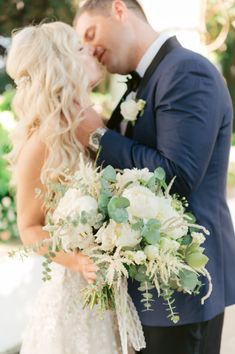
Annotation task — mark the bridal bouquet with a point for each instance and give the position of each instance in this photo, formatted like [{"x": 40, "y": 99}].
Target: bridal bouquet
[{"x": 133, "y": 228}]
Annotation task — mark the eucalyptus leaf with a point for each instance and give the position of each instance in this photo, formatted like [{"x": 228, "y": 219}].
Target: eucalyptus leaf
[
  {"x": 117, "y": 209},
  {"x": 151, "y": 231},
  {"x": 141, "y": 277},
  {"x": 160, "y": 174},
  {"x": 188, "y": 280},
  {"x": 103, "y": 201},
  {"x": 132, "y": 271},
  {"x": 138, "y": 225},
  {"x": 109, "y": 174},
  {"x": 152, "y": 184},
  {"x": 104, "y": 185}
]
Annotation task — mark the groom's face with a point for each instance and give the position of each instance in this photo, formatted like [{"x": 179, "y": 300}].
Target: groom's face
[{"x": 111, "y": 39}]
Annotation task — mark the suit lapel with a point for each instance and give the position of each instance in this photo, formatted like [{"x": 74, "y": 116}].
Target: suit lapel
[
  {"x": 115, "y": 119},
  {"x": 166, "y": 48},
  {"x": 170, "y": 44}
]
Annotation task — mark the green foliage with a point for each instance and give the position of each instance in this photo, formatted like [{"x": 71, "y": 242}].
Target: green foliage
[
  {"x": 188, "y": 279},
  {"x": 233, "y": 139},
  {"x": 151, "y": 231},
  {"x": 17, "y": 14},
  {"x": 117, "y": 209},
  {"x": 226, "y": 56},
  {"x": 109, "y": 174},
  {"x": 4, "y": 174},
  {"x": 6, "y": 100},
  {"x": 196, "y": 260},
  {"x": 5, "y": 80},
  {"x": 8, "y": 229}
]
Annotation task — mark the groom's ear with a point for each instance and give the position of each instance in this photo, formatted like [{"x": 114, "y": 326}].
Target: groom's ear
[{"x": 119, "y": 10}]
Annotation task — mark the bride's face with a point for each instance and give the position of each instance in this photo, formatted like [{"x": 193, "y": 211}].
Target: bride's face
[{"x": 91, "y": 65}]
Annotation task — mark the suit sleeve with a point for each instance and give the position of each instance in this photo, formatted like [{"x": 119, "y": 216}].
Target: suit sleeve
[{"x": 186, "y": 111}]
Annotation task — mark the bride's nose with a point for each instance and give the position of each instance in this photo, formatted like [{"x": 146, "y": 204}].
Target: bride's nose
[{"x": 88, "y": 49}]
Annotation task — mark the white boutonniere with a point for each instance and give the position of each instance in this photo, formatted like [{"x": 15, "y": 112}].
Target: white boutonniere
[{"x": 132, "y": 108}]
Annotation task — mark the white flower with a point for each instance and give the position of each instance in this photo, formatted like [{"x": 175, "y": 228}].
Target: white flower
[
  {"x": 133, "y": 176},
  {"x": 117, "y": 235},
  {"x": 11, "y": 215},
  {"x": 168, "y": 245},
  {"x": 151, "y": 252},
  {"x": 143, "y": 202},
  {"x": 73, "y": 203},
  {"x": 166, "y": 212},
  {"x": 126, "y": 237},
  {"x": 6, "y": 202},
  {"x": 139, "y": 257},
  {"x": 198, "y": 237},
  {"x": 80, "y": 237},
  {"x": 106, "y": 236},
  {"x": 131, "y": 108}
]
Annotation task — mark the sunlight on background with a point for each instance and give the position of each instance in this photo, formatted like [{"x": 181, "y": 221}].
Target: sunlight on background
[
  {"x": 7, "y": 120},
  {"x": 182, "y": 17}
]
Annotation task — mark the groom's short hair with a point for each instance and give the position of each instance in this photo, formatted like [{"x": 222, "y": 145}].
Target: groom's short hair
[{"x": 103, "y": 6}]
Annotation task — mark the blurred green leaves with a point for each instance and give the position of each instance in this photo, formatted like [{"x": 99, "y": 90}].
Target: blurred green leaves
[{"x": 20, "y": 13}]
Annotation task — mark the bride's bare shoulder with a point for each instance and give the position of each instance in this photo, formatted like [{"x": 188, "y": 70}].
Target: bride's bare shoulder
[{"x": 32, "y": 155}]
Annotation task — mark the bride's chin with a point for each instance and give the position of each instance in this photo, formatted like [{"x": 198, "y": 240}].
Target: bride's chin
[{"x": 96, "y": 80}]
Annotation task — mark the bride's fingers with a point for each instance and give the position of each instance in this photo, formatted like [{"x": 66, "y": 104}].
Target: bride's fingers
[
  {"x": 91, "y": 277},
  {"x": 91, "y": 267}
]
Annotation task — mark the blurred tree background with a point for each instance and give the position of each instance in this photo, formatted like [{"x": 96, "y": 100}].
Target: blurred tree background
[
  {"x": 218, "y": 32},
  {"x": 19, "y": 13},
  {"x": 220, "y": 37}
]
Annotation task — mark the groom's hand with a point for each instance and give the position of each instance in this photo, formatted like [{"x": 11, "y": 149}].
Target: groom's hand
[{"x": 89, "y": 123}]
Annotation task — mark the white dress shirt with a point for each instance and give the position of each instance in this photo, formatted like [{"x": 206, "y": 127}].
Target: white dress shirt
[{"x": 151, "y": 52}]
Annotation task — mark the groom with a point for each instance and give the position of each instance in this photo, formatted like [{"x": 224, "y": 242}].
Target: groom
[{"x": 185, "y": 128}]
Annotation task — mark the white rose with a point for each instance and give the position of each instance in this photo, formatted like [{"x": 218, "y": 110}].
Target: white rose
[
  {"x": 77, "y": 237},
  {"x": 134, "y": 175},
  {"x": 126, "y": 237},
  {"x": 178, "y": 232},
  {"x": 167, "y": 212},
  {"x": 139, "y": 257},
  {"x": 129, "y": 110},
  {"x": 106, "y": 236},
  {"x": 73, "y": 203},
  {"x": 151, "y": 252},
  {"x": 143, "y": 202},
  {"x": 114, "y": 234}
]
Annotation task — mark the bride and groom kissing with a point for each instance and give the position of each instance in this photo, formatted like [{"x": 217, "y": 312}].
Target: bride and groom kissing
[{"x": 185, "y": 127}]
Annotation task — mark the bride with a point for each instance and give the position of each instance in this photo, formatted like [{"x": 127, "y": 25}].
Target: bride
[{"x": 54, "y": 75}]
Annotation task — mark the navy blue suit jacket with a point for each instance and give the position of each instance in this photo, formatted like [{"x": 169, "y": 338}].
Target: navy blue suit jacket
[{"x": 186, "y": 129}]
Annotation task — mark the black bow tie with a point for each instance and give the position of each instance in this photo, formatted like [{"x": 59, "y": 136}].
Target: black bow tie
[{"x": 133, "y": 82}]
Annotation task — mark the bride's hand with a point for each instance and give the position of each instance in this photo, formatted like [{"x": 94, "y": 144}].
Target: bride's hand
[
  {"x": 90, "y": 122},
  {"x": 84, "y": 265}
]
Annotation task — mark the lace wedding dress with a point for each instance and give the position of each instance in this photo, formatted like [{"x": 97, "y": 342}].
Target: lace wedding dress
[{"x": 59, "y": 325}]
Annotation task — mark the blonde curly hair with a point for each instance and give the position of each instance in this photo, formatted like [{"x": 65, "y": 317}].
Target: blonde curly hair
[{"x": 44, "y": 62}]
